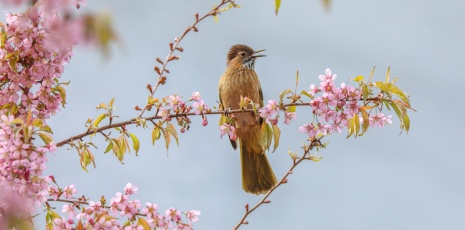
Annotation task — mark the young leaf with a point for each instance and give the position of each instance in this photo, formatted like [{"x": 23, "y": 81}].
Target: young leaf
[
  {"x": 61, "y": 90},
  {"x": 284, "y": 93},
  {"x": 359, "y": 78},
  {"x": 291, "y": 109},
  {"x": 277, "y": 4},
  {"x": 296, "y": 80},
  {"x": 109, "y": 147},
  {"x": 167, "y": 137},
  {"x": 267, "y": 133},
  {"x": 388, "y": 73},
  {"x": 366, "y": 121},
  {"x": 142, "y": 222},
  {"x": 172, "y": 130},
  {"x": 276, "y": 135},
  {"x": 99, "y": 119},
  {"x": 307, "y": 94},
  {"x": 111, "y": 102},
  {"x": 156, "y": 134},
  {"x": 46, "y": 138},
  {"x": 37, "y": 123},
  {"x": 357, "y": 124},
  {"x": 406, "y": 121},
  {"x": 46, "y": 128},
  {"x": 135, "y": 142}
]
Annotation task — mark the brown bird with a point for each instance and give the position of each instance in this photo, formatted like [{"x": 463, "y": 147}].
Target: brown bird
[{"x": 240, "y": 79}]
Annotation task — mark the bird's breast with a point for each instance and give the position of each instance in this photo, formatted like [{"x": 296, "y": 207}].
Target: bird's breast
[{"x": 239, "y": 83}]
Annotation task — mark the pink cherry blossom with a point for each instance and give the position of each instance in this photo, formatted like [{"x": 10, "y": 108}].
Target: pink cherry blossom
[
  {"x": 69, "y": 191},
  {"x": 269, "y": 110},
  {"x": 228, "y": 129},
  {"x": 193, "y": 215},
  {"x": 130, "y": 189},
  {"x": 289, "y": 116},
  {"x": 379, "y": 120},
  {"x": 196, "y": 96},
  {"x": 172, "y": 214},
  {"x": 199, "y": 107}
]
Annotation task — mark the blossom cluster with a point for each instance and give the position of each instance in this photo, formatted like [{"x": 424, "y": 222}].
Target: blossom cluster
[
  {"x": 97, "y": 216},
  {"x": 335, "y": 107},
  {"x": 34, "y": 48},
  {"x": 173, "y": 104}
]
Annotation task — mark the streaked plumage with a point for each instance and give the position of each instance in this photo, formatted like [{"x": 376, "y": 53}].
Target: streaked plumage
[{"x": 240, "y": 79}]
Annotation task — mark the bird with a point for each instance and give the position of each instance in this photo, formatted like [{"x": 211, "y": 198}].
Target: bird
[{"x": 241, "y": 80}]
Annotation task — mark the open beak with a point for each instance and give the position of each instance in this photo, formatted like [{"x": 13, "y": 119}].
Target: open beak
[{"x": 256, "y": 55}]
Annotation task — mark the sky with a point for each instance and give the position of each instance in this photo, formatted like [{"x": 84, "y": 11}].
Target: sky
[{"x": 381, "y": 180}]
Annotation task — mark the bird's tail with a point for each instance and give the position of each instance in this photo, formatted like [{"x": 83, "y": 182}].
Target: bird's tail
[{"x": 257, "y": 174}]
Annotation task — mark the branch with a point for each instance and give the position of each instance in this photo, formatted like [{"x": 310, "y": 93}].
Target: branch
[
  {"x": 175, "y": 46},
  {"x": 151, "y": 118},
  {"x": 297, "y": 161}
]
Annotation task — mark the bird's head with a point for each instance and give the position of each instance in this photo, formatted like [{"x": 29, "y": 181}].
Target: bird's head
[{"x": 242, "y": 56}]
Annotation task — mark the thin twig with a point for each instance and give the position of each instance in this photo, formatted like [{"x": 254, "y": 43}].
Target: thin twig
[
  {"x": 151, "y": 118},
  {"x": 281, "y": 182},
  {"x": 174, "y": 46}
]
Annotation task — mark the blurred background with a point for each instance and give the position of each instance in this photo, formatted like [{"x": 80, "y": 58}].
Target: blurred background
[{"x": 381, "y": 180}]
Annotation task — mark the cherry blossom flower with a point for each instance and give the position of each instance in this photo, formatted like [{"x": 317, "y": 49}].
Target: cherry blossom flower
[
  {"x": 269, "y": 110},
  {"x": 379, "y": 120},
  {"x": 289, "y": 116},
  {"x": 196, "y": 96},
  {"x": 130, "y": 189},
  {"x": 228, "y": 129},
  {"x": 193, "y": 216},
  {"x": 69, "y": 191},
  {"x": 200, "y": 107}
]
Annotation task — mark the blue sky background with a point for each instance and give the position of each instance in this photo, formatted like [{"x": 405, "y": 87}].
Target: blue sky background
[{"x": 378, "y": 181}]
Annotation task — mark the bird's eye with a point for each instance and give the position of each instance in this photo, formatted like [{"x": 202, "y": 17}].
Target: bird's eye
[{"x": 242, "y": 54}]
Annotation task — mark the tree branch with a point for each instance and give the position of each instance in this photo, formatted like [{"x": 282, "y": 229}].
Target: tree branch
[
  {"x": 151, "y": 118},
  {"x": 175, "y": 46},
  {"x": 283, "y": 180}
]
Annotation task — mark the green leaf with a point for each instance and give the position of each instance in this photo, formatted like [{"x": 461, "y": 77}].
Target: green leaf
[
  {"x": 61, "y": 90},
  {"x": 142, "y": 222},
  {"x": 172, "y": 130},
  {"x": 267, "y": 135},
  {"x": 307, "y": 94},
  {"x": 102, "y": 106},
  {"x": 46, "y": 138},
  {"x": 371, "y": 74},
  {"x": 396, "y": 91},
  {"x": 366, "y": 121},
  {"x": 111, "y": 102},
  {"x": 291, "y": 109},
  {"x": 223, "y": 119},
  {"x": 156, "y": 134},
  {"x": 277, "y": 4},
  {"x": 37, "y": 123},
  {"x": 284, "y": 93},
  {"x": 359, "y": 78},
  {"x": 18, "y": 121},
  {"x": 354, "y": 126},
  {"x": 276, "y": 136},
  {"x": 357, "y": 124},
  {"x": 135, "y": 142},
  {"x": 365, "y": 92},
  {"x": 406, "y": 121},
  {"x": 109, "y": 147},
  {"x": 99, "y": 119},
  {"x": 46, "y": 128},
  {"x": 296, "y": 80},
  {"x": 388, "y": 73},
  {"x": 167, "y": 137}
]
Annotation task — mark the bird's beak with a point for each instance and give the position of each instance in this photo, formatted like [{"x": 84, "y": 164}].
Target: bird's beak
[{"x": 256, "y": 55}]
